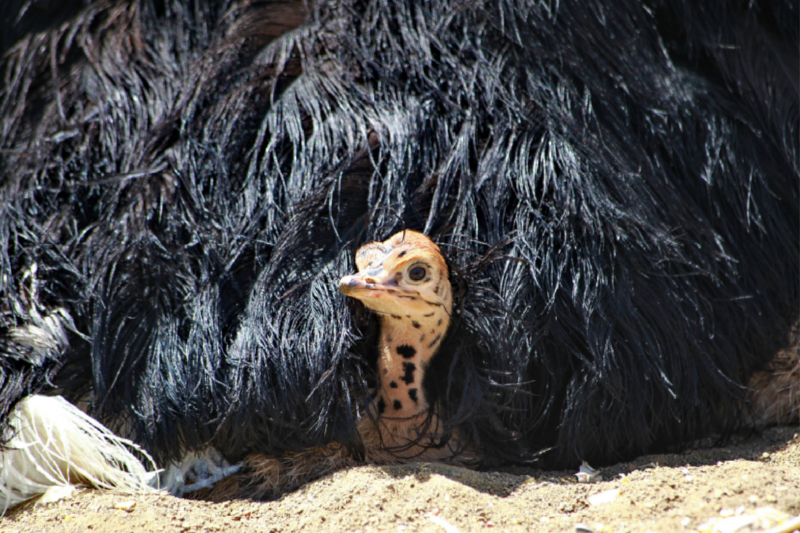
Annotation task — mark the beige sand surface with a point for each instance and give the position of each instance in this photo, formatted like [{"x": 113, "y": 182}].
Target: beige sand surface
[{"x": 750, "y": 484}]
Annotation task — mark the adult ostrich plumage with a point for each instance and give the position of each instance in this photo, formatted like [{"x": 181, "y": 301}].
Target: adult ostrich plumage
[{"x": 183, "y": 184}]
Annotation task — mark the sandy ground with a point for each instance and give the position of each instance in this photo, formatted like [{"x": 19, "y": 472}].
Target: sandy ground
[{"x": 748, "y": 485}]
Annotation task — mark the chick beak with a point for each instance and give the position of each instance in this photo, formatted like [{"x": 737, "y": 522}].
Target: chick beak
[{"x": 349, "y": 285}]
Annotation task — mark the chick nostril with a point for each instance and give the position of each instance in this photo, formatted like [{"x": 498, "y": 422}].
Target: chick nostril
[{"x": 370, "y": 281}]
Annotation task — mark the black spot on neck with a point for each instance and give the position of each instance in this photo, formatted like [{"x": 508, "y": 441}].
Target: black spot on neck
[
  {"x": 435, "y": 340},
  {"x": 428, "y": 315},
  {"x": 415, "y": 324},
  {"x": 393, "y": 384},
  {"x": 381, "y": 406},
  {"x": 412, "y": 393},
  {"x": 439, "y": 323},
  {"x": 408, "y": 373},
  {"x": 406, "y": 351},
  {"x": 397, "y": 405}
]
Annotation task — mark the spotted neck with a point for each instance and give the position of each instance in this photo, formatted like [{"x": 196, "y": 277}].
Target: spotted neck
[{"x": 407, "y": 344}]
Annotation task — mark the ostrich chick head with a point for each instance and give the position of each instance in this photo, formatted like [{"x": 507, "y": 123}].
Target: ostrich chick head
[
  {"x": 404, "y": 275},
  {"x": 405, "y": 281}
]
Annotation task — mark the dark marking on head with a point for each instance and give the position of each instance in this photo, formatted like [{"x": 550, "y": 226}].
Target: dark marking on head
[
  {"x": 412, "y": 393},
  {"x": 428, "y": 315},
  {"x": 408, "y": 373},
  {"x": 422, "y": 338},
  {"x": 393, "y": 384},
  {"x": 406, "y": 351},
  {"x": 397, "y": 405},
  {"x": 433, "y": 330},
  {"x": 401, "y": 254},
  {"x": 436, "y": 290},
  {"x": 381, "y": 406},
  {"x": 415, "y": 324},
  {"x": 435, "y": 340},
  {"x": 397, "y": 317},
  {"x": 439, "y": 323},
  {"x": 385, "y": 371},
  {"x": 408, "y": 316},
  {"x": 364, "y": 250},
  {"x": 390, "y": 339},
  {"x": 398, "y": 277}
]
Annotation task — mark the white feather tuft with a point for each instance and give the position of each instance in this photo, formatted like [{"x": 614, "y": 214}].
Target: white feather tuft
[
  {"x": 57, "y": 445},
  {"x": 197, "y": 470},
  {"x": 45, "y": 337}
]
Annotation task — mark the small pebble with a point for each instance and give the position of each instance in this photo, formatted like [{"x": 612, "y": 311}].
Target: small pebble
[
  {"x": 600, "y": 498},
  {"x": 125, "y": 506}
]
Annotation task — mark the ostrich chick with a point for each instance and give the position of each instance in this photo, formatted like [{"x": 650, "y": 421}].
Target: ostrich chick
[{"x": 405, "y": 281}]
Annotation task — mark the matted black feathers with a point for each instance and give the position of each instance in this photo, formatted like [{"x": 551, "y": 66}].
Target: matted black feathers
[{"x": 185, "y": 183}]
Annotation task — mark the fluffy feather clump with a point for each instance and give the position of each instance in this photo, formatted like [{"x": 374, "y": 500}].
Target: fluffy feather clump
[{"x": 56, "y": 446}]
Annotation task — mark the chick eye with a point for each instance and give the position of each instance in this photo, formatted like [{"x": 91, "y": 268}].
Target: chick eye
[{"x": 417, "y": 273}]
